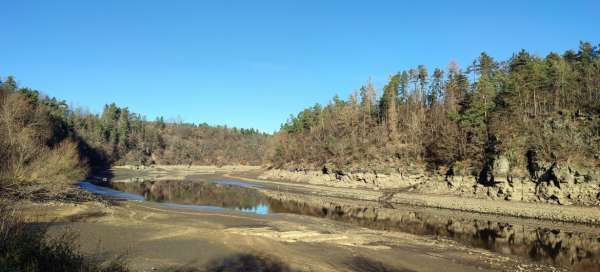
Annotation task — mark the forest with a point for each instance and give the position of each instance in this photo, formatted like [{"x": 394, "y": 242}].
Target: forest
[
  {"x": 42, "y": 140},
  {"x": 524, "y": 108},
  {"x": 527, "y": 108}
]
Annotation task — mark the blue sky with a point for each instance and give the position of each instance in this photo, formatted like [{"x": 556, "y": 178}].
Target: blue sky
[{"x": 253, "y": 63}]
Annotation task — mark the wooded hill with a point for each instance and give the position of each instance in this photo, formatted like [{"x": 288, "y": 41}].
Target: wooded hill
[
  {"x": 527, "y": 109},
  {"x": 43, "y": 140}
]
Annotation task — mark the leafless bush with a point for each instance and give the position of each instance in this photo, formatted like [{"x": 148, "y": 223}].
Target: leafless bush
[
  {"x": 25, "y": 246},
  {"x": 25, "y": 155},
  {"x": 59, "y": 164}
]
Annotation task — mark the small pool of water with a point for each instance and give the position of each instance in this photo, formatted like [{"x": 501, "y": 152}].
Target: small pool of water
[
  {"x": 105, "y": 191},
  {"x": 219, "y": 195}
]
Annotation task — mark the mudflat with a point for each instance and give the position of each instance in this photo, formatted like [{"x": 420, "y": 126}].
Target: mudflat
[{"x": 151, "y": 236}]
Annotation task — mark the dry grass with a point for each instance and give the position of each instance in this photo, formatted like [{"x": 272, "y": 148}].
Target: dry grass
[
  {"x": 59, "y": 164},
  {"x": 26, "y": 156},
  {"x": 25, "y": 246}
]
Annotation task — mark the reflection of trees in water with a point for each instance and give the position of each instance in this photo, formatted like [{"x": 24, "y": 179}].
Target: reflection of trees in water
[
  {"x": 546, "y": 245},
  {"x": 581, "y": 250},
  {"x": 490, "y": 235},
  {"x": 564, "y": 247},
  {"x": 195, "y": 193}
]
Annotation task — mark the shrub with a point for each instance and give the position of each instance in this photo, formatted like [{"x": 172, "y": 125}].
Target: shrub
[
  {"x": 25, "y": 246},
  {"x": 29, "y": 152},
  {"x": 59, "y": 164}
]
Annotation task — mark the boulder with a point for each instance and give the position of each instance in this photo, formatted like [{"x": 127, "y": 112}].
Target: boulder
[
  {"x": 564, "y": 174},
  {"x": 501, "y": 167},
  {"x": 550, "y": 193}
]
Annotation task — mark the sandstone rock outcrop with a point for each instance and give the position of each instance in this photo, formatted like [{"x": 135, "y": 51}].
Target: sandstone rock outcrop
[{"x": 549, "y": 182}]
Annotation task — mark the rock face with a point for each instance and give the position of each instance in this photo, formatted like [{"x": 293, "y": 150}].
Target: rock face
[
  {"x": 565, "y": 184},
  {"x": 341, "y": 179},
  {"x": 549, "y": 182}
]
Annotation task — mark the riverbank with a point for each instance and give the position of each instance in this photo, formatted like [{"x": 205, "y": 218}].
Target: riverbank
[
  {"x": 551, "y": 183},
  {"x": 151, "y": 237},
  {"x": 532, "y": 210},
  {"x": 336, "y": 222},
  {"x": 403, "y": 195},
  {"x": 130, "y": 173}
]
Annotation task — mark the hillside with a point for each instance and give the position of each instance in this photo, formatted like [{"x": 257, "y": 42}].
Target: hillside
[
  {"x": 529, "y": 123},
  {"x": 42, "y": 140},
  {"x": 527, "y": 128}
]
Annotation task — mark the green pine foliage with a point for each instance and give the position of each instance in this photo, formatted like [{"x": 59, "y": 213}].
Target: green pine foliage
[
  {"x": 43, "y": 140},
  {"x": 549, "y": 105}
]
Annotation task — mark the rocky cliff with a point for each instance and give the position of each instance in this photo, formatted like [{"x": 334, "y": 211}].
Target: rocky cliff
[{"x": 556, "y": 183}]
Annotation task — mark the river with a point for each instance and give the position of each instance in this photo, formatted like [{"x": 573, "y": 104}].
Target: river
[{"x": 567, "y": 245}]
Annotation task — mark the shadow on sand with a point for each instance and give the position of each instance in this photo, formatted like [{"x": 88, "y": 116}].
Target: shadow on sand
[
  {"x": 263, "y": 263},
  {"x": 240, "y": 262},
  {"x": 362, "y": 264}
]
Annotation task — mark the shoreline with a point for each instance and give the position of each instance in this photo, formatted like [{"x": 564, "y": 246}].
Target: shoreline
[
  {"x": 174, "y": 239},
  {"x": 524, "y": 210},
  {"x": 296, "y": 232},
  {"x": 588, "y": 215}
]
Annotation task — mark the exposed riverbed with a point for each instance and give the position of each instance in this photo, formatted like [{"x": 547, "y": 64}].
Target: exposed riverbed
[{"x": 570, "y": 246}]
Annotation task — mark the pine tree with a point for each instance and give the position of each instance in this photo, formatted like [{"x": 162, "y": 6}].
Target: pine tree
[
  {"x": 388, "y": 105},
  {"x": 124, "y": 129},
  {"x": 437, "y": 87},
  {"x": 422, "y": 78}
]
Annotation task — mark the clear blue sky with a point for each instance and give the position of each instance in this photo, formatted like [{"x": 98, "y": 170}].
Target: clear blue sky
[{"x": 253, "y": 63}]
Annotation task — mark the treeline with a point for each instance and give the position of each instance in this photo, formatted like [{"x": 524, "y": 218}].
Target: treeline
[
  {"x": 43, "y": 140},
  {"x": 127, "y": 138},
  {"x": 526, "y": 108},
  {"x": 36, "y": 144}
]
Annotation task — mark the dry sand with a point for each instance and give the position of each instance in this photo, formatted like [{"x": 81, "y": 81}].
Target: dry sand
[{"x": 152, "y": 236}]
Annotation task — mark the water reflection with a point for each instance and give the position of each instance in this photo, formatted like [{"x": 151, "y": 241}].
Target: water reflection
[
  {"x": 101, "y": 190},
  {"x": 578, "y": 250},
  {"x": 187, "y": 195},
  {"x": 197, "y": 193}
]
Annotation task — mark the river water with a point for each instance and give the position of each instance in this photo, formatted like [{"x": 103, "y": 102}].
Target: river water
[{"x": 573, "y": 246}]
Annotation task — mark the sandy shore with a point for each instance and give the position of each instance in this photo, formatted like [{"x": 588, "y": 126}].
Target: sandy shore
[
  {"x": 128, "y": 173},
  {"x": 153, "y": 237}
]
